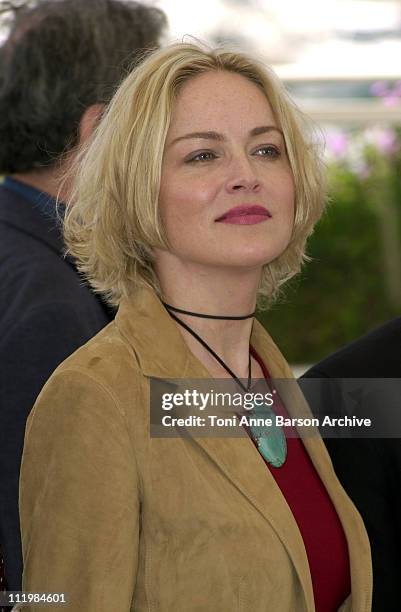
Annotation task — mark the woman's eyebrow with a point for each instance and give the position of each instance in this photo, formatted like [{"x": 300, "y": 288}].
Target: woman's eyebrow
[{"x": 263, "y": 129}]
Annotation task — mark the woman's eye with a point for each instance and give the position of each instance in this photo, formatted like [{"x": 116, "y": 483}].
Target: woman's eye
[
  {"x": 203, "y": 156},
  {"x": 268, "y": 151}
]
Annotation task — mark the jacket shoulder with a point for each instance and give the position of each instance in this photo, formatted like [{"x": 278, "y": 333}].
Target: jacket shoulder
[{"x": 106, "y": 359}]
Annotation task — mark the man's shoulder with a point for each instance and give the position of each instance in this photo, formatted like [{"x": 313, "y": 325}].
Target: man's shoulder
[
  {"x": 15, "y": 241},
  {"x": 30, "y": 244},
  {"x": 44, "y": 303},
  {"x": 45, "y": 287},
  {"x": 376, "y": 354},
  {"x": 33, "y": 276}
]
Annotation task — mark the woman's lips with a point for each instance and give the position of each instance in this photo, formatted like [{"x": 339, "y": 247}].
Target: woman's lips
[
  {"x": 245, "y": 219},
  {"x": 245, "y": 215}
]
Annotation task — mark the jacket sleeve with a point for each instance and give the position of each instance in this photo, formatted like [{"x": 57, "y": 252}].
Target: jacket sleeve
[{"x": 79, "y": 499}]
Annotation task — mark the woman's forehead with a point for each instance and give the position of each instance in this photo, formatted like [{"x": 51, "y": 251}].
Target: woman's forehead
[{"x": 220, "y": 98}]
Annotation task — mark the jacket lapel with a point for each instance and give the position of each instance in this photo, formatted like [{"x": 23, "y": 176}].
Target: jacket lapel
[
  {"x": 355, "y": 533},
  {"x": 239, "y": 460}
]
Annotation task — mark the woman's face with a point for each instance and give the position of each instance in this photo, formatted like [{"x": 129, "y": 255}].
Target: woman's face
[{"x": 227, "y": 192}]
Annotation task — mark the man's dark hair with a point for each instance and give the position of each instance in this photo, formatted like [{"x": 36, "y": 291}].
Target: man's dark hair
[{"x": 60, "y": 57}]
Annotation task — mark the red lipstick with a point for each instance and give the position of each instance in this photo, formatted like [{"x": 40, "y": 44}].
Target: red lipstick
[{"x": 245, "y": 215}]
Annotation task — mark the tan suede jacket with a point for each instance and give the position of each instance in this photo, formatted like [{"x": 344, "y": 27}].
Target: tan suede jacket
[{"x": 120, "y": 521}]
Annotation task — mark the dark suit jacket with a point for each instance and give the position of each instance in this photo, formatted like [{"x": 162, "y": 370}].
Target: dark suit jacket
[
  {"x": 46, "y": 312},
  {"x": 370, "y": 469}
]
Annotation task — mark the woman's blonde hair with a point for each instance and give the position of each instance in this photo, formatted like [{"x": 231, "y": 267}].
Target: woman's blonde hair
[{"x": 112, "y": 221}]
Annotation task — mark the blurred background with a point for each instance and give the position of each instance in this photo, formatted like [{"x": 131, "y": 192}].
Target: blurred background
[{"x": 341, "y": 61}]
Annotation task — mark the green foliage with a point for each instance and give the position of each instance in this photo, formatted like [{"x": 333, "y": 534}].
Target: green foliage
[{"x": 343, "y": 292}]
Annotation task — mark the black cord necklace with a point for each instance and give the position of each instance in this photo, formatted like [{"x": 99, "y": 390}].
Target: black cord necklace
[
  {"x": 206, "y": 346},
  {"x": 208, "y": 316},
  {"x": 271, "y": 442}
]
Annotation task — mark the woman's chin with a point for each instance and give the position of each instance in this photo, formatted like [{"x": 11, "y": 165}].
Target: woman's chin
[{"x": 252, "y": 259}]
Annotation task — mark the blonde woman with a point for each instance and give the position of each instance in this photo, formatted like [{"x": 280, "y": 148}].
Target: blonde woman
[{"x": 193, "y": 203}]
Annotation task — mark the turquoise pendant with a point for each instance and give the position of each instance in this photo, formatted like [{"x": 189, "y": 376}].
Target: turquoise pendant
[{"x": 271, "y": 440}]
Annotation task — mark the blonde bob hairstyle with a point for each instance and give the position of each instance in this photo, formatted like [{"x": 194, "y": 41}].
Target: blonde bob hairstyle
[{"x": 112, "y": 220}]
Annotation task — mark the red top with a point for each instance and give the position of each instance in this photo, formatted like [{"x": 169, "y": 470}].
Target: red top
[{"x": 318, "y": 522}]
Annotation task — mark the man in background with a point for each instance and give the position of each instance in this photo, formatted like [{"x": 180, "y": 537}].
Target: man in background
[
  {"x": 370, "y": 468},
  {"x": 59, "y": 66}
]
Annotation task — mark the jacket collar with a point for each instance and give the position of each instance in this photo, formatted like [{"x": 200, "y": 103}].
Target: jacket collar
[
  {"x": 160, "y": 348},
  {"x": 19, "y": 212},
  {"x": 162, "y": 353}
]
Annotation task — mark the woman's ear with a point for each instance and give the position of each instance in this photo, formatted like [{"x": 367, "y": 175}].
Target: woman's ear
[{"x": 89, "y": 121}]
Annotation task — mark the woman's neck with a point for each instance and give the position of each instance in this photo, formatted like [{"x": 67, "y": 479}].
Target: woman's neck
[{"x": 218, "y": 293}]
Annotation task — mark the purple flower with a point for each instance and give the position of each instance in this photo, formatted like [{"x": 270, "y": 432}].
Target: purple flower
[
  {"x": 379, "y": 89},
  {"x": 337, "y": 143},
  {"x": 387, "y": 141},
  {"x": 391, "y": 100},
  {"x": 391, "y": 94},
  {"x": 384, "y": 139}
]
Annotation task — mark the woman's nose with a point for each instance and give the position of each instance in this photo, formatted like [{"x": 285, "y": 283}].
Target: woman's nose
[{"x": 242, "y": 177}]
